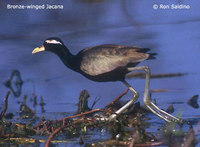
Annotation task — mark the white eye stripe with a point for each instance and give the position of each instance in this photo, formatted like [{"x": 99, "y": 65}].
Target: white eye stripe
[{"x": 53, "y": 42}]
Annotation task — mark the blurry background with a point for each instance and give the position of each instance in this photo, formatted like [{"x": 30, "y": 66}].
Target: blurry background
[{"x": 173, "y": 34}]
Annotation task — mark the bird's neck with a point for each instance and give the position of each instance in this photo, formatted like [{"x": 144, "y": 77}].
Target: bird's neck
[{"x": 66, "y": 57}]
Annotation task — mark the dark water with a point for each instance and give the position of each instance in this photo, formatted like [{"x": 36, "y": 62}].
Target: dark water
[{"x": 173, "y": 34}]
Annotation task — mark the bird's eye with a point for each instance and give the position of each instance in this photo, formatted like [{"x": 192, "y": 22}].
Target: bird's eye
[{"x": 53, "y": 42}]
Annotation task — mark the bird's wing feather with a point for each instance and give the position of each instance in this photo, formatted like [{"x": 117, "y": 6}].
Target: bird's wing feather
[{"x": 105, "y": 58}]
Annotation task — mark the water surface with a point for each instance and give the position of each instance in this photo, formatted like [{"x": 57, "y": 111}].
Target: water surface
[{"x": 173, "y": 34}]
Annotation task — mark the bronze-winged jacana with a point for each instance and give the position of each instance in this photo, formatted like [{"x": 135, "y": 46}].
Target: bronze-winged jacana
[{"x": 105, "y": 63}]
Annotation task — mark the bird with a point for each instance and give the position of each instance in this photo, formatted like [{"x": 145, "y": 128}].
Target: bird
[{"x": 106, "y": 63}]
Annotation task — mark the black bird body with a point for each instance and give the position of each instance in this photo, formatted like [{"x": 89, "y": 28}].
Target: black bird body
[
  {"x": 105, "y": 63},
  {"x": 100, "y": 63}
]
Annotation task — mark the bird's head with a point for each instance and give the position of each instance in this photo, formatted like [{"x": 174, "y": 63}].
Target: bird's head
[{"x": 52, "y": 44}]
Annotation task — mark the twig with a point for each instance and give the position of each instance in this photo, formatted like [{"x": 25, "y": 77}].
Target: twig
[
  {"x": 6, "y": 105},
  {"x": 164, "y": 75},
  {"x": 158, "y": 90},
  {"x": 119, "y": 97},
  {"x": 132, "y": 142},
  {"x": 53, "y": 134},
  {"x": 82, "y": 114},
  {"x": 73, "y": 116},
  {"x": 150, "y": 144},
  {"x": 95, "y": 101},
  {"x": 62, "y": 127}
]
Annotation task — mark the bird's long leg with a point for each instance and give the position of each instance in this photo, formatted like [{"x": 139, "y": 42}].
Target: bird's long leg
[
  {"x": 147, "y": 100},
  {"x": 159, "y": 115},
  {"x": 165, "y": 113},
  {"x": 122, "y": 109}
]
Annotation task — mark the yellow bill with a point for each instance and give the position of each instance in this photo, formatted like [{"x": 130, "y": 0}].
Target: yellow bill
[{"x": 38, "y": 49}]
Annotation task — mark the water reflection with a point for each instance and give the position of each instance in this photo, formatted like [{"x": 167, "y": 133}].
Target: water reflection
[{"x": 15, "y": 83}]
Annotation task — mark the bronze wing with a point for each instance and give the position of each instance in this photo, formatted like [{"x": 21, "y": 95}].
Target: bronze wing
[{"x": 105, "y": 58}]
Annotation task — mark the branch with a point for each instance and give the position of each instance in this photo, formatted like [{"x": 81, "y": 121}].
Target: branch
[{"x": 6, "y": 105}]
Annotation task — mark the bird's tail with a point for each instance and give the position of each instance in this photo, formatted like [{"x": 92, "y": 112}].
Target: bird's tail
[
  {"x": 145, "y": 50},
  {"x": 152, "y": 56}
]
